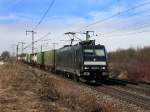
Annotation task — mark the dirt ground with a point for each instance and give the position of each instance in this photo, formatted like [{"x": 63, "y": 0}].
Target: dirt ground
[{"x": 27, "y": 89}]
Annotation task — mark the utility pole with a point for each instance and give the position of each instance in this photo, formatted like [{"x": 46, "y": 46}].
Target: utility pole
[
  {"x": 13, "y": 50},
  {"x": 17, "y": 51},
  {"x": 22, "y": 44},
  {"x": 41, "y": 48},
  {"x": 54, "y": 44},
  {"x": 32, "y": 39},
  {"x": 119, "y": 4}
]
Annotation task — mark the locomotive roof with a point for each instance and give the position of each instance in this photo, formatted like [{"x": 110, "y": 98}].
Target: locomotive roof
[{"x": 83, "y": 43}]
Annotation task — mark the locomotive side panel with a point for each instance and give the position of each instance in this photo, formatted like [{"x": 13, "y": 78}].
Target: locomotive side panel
[
  {"x": 78, "y": 59},
  {"x": 65, "y": 60}
]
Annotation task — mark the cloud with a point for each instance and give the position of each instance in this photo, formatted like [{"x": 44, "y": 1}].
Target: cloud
[
  {"x": 59, "y": 24},
  {"x": 8, "y": 17}
]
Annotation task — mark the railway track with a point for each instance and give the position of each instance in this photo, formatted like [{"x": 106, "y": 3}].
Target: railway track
[
  {"x": 146, "y": 86},
  {"x": 122, "y": 94},
  {"x": 138, "y": 89},
  {"x": 125, "y": 82},
  {"x": 132, "y": 86}
]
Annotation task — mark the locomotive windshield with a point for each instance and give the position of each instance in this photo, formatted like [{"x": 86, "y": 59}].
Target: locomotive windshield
[
  {"x": 96, "y": 52},
  {"x": 99, "y": 52}
]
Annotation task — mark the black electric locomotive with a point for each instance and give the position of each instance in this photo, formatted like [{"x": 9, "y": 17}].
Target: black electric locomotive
[{"x": 84, "y": 60}]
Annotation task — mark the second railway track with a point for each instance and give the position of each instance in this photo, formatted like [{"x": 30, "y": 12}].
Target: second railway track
[
  {"x": 122, "y": 94},
  {"x": 133, "y": 98},
  {"x": 133, "y": 86}
]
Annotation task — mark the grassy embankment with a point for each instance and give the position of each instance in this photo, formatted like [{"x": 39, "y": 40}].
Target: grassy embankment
[{"x": 24, "y": 89}]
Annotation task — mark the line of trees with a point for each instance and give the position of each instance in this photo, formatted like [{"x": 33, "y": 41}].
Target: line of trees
[
  {"x": 134, "y": 62},
  {"x": 140, "y": 54},
  {"x": 5, "y": 55}
]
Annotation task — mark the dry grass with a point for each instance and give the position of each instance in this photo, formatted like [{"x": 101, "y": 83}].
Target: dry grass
[
  {"x": 23, "y": 89},
  {"x": 8, "y": 73},
  {"x": 72, "y": 97}
]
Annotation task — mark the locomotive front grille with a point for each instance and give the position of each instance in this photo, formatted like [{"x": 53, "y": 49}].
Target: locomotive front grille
[
  {"x": 95, "y": 68},
  {"x": 104, "y": 73},
  {"x": 102, "y": 63}
]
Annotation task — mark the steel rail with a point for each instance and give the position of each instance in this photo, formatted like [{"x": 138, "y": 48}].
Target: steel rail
[{"x": 136, "y": 99}]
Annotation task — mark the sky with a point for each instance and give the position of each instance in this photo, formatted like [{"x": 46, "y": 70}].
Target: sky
[{"x": 127, "y": 30}]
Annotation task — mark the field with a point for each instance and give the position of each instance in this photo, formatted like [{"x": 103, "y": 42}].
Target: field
[
  {"x": 26, "y": 89},
  {"x": 133, "y": 64}
]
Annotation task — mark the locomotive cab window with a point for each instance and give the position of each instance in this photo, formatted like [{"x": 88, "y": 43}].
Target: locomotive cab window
[
  {"x": 99, "y": 52},
  {"x": 96, "y": 52},
  {"x": 88, "y": 51}
]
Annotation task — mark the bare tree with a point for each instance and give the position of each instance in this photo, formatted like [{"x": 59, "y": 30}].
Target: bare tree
[{"x": 5, "y": 55}]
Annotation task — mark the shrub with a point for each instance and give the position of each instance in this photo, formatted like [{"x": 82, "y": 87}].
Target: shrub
[{"x": 136, "y": 62}]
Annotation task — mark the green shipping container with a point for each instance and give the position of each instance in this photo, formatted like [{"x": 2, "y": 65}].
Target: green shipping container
[
  {"x": 28, "y": 58},
  {"x": 40, "y": 58},
  {"x": 49, "y": 58}
]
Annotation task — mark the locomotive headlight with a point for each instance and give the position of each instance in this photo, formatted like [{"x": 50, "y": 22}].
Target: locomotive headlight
[
  {"x": 103, "y": 68},
  {"x": 86, "y": 73},
  {"x": 86, "y": 68}
]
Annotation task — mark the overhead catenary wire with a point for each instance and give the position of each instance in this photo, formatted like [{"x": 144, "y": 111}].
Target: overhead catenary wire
[
  {"x": 43, "y": 37},
  {"x": 131, "y": 33},
  {"x": 140, "y": 27},
  {"x": 41, "y": 20},
  {"x": 97, "y": 21},
  {"x": 135, "y": 14},
  {"x": 145, "y": 25},
  {"x": 146, "y": 21},
  {"x": 118, "y": 14},
  {"x": 45, "y": 14},
  {"x": 46, "y": 46},
  {"x": 38, "y": 40}
]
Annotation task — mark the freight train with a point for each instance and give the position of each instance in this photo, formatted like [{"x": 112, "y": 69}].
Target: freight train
[{"x": 84, "y": 61}]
